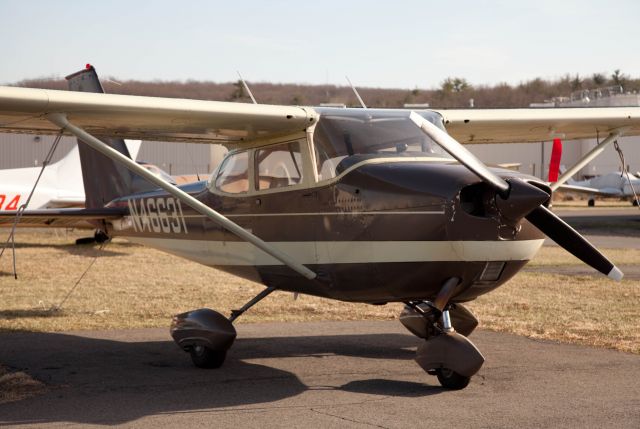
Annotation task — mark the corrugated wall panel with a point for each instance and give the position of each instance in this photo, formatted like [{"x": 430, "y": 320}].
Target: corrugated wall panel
[
  {"x": 24, "y": 150},
  {"x": 177, "y": 158}
]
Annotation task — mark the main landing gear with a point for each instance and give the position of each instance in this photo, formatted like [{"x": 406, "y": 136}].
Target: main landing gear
[
  {"x": 445, "y": 353},
  {"x": 207, "y": 335},
  {"x": 98, "y": 237}
]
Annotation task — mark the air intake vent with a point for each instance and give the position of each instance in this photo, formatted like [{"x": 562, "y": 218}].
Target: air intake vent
[
  {"x": 492, "y": 271},
  {"x": 477, "y": 200}
]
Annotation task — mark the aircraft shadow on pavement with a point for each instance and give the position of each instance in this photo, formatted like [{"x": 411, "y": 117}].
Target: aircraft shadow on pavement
[{"x": 101, "y": 381}]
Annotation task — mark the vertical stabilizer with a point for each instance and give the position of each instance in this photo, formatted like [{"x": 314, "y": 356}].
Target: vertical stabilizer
[{"x": 104, "y": 179}]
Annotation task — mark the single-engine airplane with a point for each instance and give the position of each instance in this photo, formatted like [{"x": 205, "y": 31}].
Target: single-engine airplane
[{"x": 362, "y": 205}]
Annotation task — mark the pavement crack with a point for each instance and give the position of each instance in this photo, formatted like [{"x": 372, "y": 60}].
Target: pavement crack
[{"x": 346, "y": 419}]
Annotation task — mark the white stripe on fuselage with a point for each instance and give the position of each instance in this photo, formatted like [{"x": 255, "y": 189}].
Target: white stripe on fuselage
[
  {"x": 349, "y": 213},
  {"x": 345, "y": 252}
]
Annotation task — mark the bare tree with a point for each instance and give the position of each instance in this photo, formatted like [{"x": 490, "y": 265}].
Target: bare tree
[
  {"x": 576, "y": 83},
  {"x": 598, "y": 79},
  {"x": 618, "y": 78}
]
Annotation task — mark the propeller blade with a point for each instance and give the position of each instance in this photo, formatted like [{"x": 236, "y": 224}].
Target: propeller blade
[
  {"x": 571, "y": 240},
  {"x": 459, "y": 152}
]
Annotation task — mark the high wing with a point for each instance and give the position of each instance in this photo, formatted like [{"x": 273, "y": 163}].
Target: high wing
[
  {"x": 24, "y": 110},
  {"x": 535, "y": 125},
  {"x": 167, "y": 119}
]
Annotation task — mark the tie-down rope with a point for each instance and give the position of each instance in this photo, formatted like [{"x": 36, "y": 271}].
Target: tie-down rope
[
  {"x": 23, "y": 207},
  {"x": 636, "y": 202}
]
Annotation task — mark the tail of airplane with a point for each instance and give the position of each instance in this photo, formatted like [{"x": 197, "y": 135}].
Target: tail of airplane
[
  {"x": 104, "y": 180},
  {"x": 554, "y": 163}
]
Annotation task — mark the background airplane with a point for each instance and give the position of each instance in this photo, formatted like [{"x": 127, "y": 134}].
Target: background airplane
[
  {"x": 60, "y": 185},
  {"x": 618, "y": 184}
]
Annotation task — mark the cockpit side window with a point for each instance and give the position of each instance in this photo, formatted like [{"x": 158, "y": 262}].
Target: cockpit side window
[
  {"x": 233, "y": 175},
  {"x": 327, "y": 156},
  {"x": 278, "y": 166}
]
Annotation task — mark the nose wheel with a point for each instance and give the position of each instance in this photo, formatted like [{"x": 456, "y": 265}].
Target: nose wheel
[{"x": 449, "y": 379}]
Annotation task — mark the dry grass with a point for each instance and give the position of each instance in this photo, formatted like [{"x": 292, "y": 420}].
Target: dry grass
[
  {"x": 577, "y": 309},
  {"x": 556, "y": 256},
  {"x": 130, "y": 286}
]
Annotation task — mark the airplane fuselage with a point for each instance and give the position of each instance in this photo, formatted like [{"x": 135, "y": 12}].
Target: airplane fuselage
[{"x": 387, "y": 229}]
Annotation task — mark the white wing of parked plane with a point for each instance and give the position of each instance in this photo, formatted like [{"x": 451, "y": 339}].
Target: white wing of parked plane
[
  {"x": 60, "y": 185},
  {"x": 605, "y": 192}
]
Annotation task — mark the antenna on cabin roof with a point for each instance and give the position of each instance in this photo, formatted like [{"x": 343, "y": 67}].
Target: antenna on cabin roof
[
  {"x": 355, "y": 91},
  {"x": 246, "y": 87}
]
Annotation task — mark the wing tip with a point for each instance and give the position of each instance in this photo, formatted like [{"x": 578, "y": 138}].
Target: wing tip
[{"x": 615, "y": 274}]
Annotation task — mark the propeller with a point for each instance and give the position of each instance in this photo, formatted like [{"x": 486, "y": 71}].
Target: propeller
[{"x": 540, "y": 216}]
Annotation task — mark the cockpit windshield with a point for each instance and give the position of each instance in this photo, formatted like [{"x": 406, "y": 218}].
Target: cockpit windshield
[{"x": 350, "y": 135}]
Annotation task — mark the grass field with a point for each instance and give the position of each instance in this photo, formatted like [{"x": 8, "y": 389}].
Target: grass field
[{"x": 129, "y": 286}]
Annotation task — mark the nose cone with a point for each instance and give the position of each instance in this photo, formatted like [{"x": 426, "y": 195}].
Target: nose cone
[{"x": 523, "y": 198}]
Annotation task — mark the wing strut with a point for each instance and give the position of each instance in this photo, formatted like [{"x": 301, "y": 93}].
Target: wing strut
[
  {"x": 61, "y": 121},
  {"x": 592, "y": 154}
]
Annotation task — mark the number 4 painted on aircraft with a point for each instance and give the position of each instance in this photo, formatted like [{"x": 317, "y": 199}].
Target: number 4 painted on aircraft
[{"x": 12, "y": 204}]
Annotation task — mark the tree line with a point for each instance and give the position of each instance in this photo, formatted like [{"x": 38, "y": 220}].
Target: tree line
[{"x": 453, "y": 92}]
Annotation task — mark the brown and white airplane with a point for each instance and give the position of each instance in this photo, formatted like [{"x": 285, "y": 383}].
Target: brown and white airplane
[{"x": 363, "y": 205}]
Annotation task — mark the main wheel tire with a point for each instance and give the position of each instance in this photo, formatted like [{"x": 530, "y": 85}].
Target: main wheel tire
[
  {"x": 204, "y": 357},
  {"x": 450, "y": 379},
  {"x": 591, "y": 202},
  {"x": 100, "y": 237}
]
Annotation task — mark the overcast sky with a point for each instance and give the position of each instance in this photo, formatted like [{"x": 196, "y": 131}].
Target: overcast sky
[{"x": 402, "y": 44}]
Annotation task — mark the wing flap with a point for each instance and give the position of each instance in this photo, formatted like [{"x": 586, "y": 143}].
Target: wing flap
[
  {"x": 23, "y": 110},
  {"x": 534, "y": 125}
]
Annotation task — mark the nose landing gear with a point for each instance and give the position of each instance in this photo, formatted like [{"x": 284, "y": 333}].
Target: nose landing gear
[{"x": 445, "y": 353}]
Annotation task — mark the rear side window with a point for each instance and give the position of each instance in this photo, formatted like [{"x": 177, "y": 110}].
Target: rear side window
[{"x": 233, "y": 175}]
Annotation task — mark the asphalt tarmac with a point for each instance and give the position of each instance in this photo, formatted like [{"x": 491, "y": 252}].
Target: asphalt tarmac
[{"x": 327, "y": 374}]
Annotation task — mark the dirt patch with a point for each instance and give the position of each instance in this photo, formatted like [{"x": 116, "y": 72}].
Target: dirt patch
[{"x": 18, "y": 385}]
